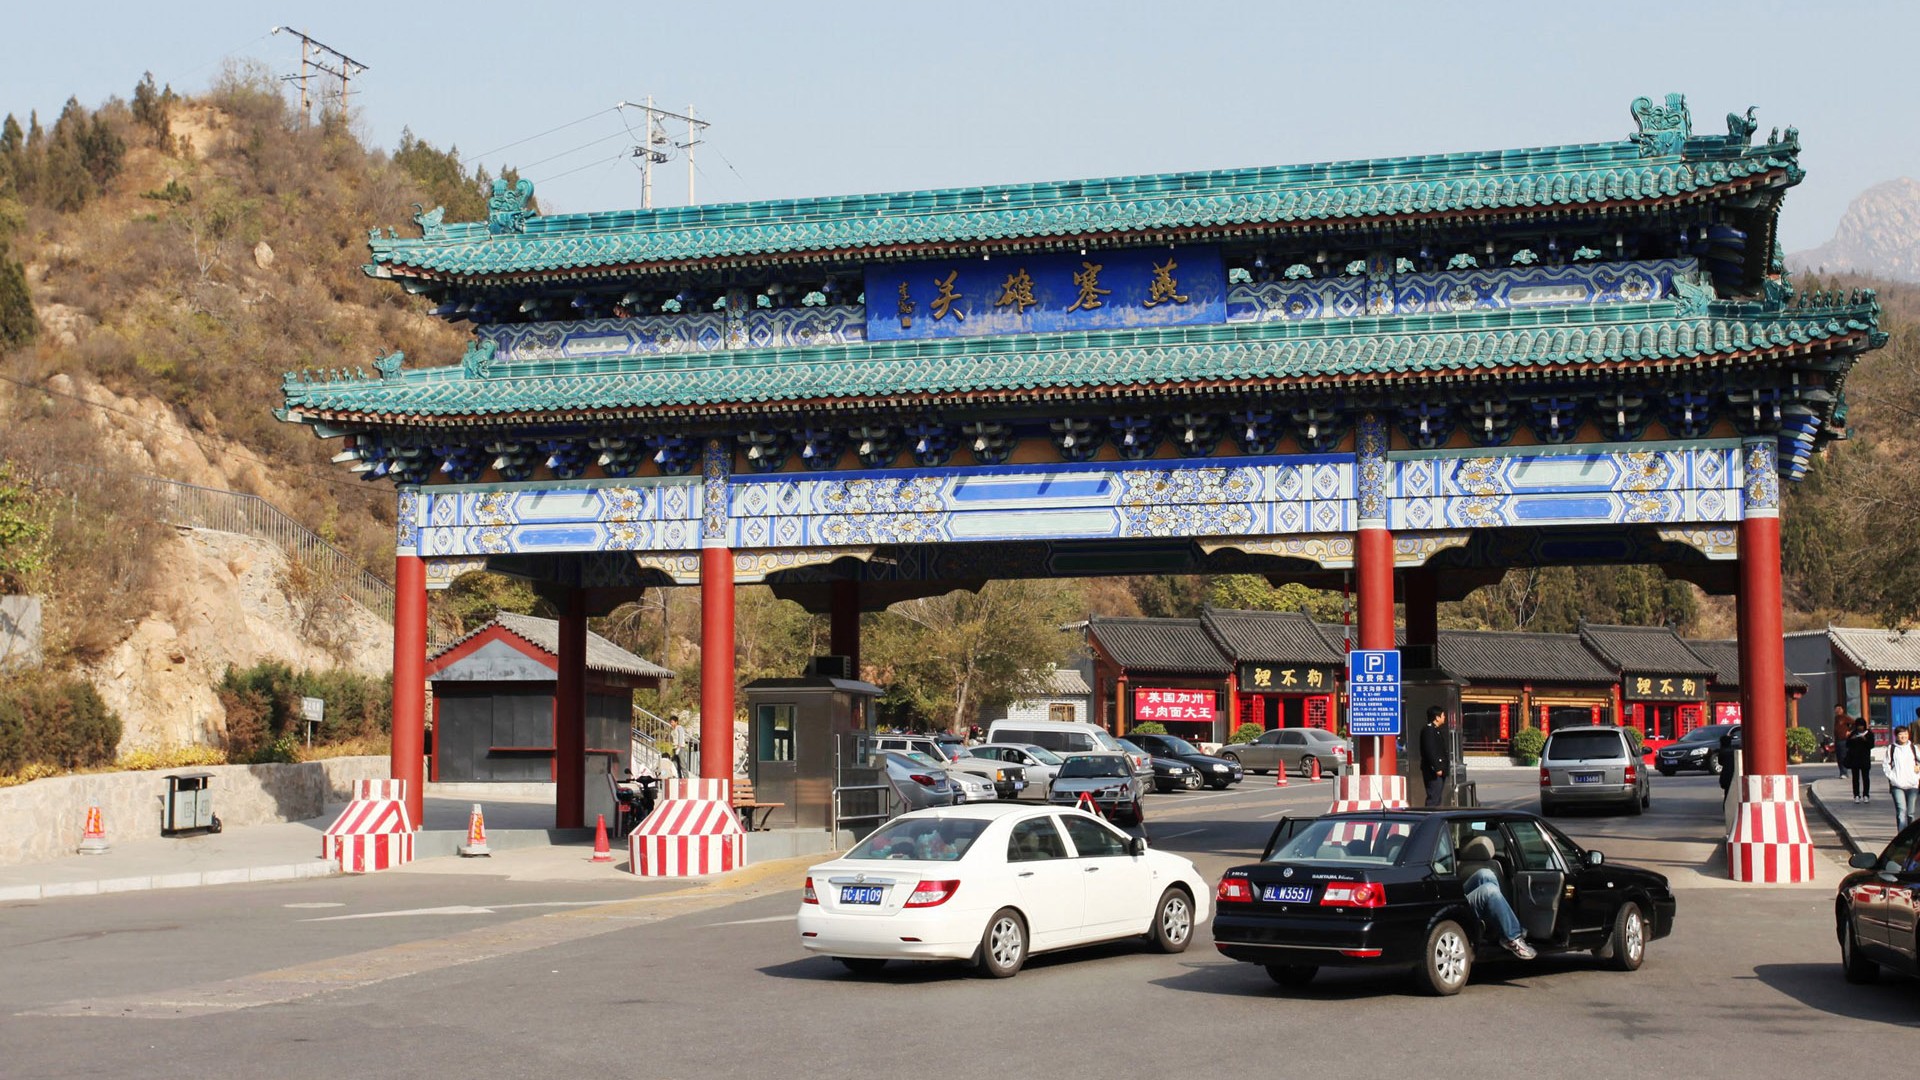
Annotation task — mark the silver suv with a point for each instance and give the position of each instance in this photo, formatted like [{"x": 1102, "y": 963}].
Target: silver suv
[{"x": 1593, "y": 766}]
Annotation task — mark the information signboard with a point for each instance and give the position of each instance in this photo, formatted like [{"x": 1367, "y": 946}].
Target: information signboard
[{"x": 1373, "y": 692}]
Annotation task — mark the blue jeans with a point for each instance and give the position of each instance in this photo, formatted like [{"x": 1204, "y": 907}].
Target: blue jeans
[
  {"x": 1904, "y": 801},
  {"x": 1483, "y": 893}
]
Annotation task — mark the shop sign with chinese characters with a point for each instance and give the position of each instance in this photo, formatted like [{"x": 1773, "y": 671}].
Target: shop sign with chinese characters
[
  {"x": 1286, "y": 679},
  {"x": 1035, "y": 294},
  {"x": 1665, "y": 687},
  {"x": 1175, "y": 705}
]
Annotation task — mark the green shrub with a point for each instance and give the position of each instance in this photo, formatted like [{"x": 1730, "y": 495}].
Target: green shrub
[
  {"x": 1526, "y": 745},
  {"x": 1245, "y": 733},
  {"x": 1802, "y": 743},
  {"x": 1151, "y": 727},
  {"x": 265, "y": 722},
  {"x": 57, "y": 722}
]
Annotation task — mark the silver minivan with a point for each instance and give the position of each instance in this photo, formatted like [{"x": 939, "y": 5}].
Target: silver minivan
[{"x": 1593, "y": 766}]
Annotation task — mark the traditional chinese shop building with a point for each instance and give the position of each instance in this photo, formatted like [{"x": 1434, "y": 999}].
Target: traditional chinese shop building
[
  {"x": 1170, "y": 671},
  {"x": 1663, "y": 684},
  {"x": 1285, "y": 673},
  {"x": 1724, "y": 691},
  {"x": 1517, "y": 680},
  {"x": 1884, "y": 666},
  {"x": 1404, "y": 375}
]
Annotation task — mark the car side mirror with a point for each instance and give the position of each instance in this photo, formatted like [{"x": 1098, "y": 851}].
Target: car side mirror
[
  {"x": 1594, "y": 858},
  {"x": 1865, "y": 860},
  {"x": 1137, "y": 846}
]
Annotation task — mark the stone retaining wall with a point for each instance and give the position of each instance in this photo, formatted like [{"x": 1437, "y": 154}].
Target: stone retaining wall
[{"x": 44, "y": 819}]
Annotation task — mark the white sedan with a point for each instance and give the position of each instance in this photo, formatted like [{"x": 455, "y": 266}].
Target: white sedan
[{"x": 994, "y": 883}]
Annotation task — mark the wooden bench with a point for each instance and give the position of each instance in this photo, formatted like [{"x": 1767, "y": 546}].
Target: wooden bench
[{"x": 745, "y": 804}]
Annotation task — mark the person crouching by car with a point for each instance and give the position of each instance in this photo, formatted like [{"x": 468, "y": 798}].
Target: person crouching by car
[
  {"x": 1859, "y": 758},
  {"x": 1902, "y": 769}
]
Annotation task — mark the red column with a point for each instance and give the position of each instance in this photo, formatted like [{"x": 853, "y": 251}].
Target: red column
[
  {"x": 1233, "y": 707},
  {"x": 716, "y": 663},
  {"x": 1120, "y": 703},
  {"x": 1763, "y": 664},
  {"x": 570, "y": 718},
  {"x": 410, "y": 679},
  {"x": 844, "y": 622},
  {"x": 1373, "y": 558}
]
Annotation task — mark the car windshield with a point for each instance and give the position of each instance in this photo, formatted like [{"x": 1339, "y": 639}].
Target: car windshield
[
  {"x": 1043, "y": 755},
  {"x": 1320, "y": 734},
  {"x": 935, "y": 839},
  {"x": 1093, "y": 766},
  {"x": 1108, "y": 742},
  {"x": 1574, "y": 745},
  {"x": 1177, "y": 745},
  {"x": 1709, "y": 734},
  {"x": 919, "y": 758},
  {"x": 1364, "y": 841}
]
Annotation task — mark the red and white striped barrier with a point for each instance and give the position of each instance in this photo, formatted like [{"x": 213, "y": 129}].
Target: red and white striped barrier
[
  {"x": 694, "y": 831},
  {"x": 1368, "y": 793},
  {"x": 373, "y": 832},
  {"x": 1769, "y": 843}
]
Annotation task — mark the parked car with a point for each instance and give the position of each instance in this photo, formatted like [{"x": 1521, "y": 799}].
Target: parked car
[
  {"x": 1697, "y": 749},
  {"x": 1291, "y": 748},
  {"x": 919, "y": 780},
  {"x": 930, "y": 745},
  {"x": 1593, "y": 766},
  {"x": 1383, "y": 888},
  {"x": 1108, "y": 779},
  {"x": 1040, "y": 762},
  {"x": 1213, "y": 770},
  {"x": 1166, "y": 774},
  {"x": 1875, "y": 913},
  {"x": 995, "y": 884},
  {"x": 1008, "y": 780}
]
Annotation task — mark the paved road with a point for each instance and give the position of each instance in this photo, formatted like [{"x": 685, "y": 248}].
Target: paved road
[{"x": 405, "y": 974}]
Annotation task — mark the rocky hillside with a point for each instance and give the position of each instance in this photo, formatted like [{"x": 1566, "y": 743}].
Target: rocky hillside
[{"x": 1878, "y": 237}]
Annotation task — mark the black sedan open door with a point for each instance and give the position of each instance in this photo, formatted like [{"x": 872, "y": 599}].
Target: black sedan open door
[{"x": 1538, "y": 878}]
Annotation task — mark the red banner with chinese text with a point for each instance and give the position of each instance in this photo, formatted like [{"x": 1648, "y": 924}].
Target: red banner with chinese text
[{"x": 1164, "y": 704}]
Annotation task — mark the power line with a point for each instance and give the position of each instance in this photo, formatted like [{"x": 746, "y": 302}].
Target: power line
[
  {"x": 549, "y": 131},
  {"x": 569, "y": 153},
  {"x": 621, "y": 156}
]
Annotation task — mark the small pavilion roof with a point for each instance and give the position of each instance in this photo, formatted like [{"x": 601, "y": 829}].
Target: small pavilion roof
[
  {"x": 1269, "y": 637},
  {"x": 1645, "y": 649},
  {"x": 1511, "y": 656},
  {"x": 1896, "y": 651},
  {"x": 544, "y": 634},
  {"x": 1172, "y": 645}
]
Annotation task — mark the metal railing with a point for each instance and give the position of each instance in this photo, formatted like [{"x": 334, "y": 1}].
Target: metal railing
[
  {"x": 650, "y": 732},
  {"x": 180, "y": 503}
]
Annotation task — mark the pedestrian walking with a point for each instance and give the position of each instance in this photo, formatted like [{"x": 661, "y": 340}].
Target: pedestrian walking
[
  {"x": 1902, "y": 769},
  {"x": 679, "y": 737},
  {"x": 1842, "y": 724},
  {"x": 1435, "y": 755},
  {"x": 1858, "y": 756}
]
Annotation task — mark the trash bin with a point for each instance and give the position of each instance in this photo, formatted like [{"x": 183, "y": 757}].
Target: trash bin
[{"x": 189, "y": 805}]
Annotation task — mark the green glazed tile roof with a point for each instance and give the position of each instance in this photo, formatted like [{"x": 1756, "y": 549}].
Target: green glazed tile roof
[
  {"x": 1546, "y": 178},
  {"x": 1489, "y": 344}
]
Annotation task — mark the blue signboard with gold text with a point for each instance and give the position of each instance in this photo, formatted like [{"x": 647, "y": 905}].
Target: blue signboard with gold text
[{"x": 1037, "y": 294}]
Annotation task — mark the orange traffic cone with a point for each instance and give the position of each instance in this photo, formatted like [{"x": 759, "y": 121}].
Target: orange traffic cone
[
  {"x": 476, "y": 835},
  {"x": 1279, "y": 774},
  {"x": 93, "y": 841},
  {"x": 1315, "y": 767},
  {"x": 601, "y": 852}
]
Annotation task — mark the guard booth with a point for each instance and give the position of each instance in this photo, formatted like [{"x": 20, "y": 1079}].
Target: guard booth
[
  {"x": 793, "y": 727},
  {"x": 1424, "y": 684}
]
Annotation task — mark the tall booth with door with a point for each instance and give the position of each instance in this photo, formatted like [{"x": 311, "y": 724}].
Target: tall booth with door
[{"x": 794, "y": 733}]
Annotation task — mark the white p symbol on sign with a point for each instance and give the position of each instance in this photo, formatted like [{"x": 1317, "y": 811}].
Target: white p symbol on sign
[{"x": 1376, "y": 663}]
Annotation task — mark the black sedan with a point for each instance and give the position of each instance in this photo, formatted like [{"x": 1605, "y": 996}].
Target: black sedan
[
  {"x": 1874, "y": 915},
  {"x": 1383, "y": 888},
  {"x": 1697, "y": 749},
  {"x": 1216, "y": 772}
]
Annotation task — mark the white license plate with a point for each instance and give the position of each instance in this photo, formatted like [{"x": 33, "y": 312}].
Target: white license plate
[
  {"x": 1586, "y": 778},
  {"x": 861, "y": 894},
  {"x": 1287, "y": 894}
]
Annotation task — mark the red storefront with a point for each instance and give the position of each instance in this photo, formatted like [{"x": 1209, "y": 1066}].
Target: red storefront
[
  {"x": 1286, "y": 673},
  {"x": 1663, "y": 684},
  {"x": 1167, "y": 671}
]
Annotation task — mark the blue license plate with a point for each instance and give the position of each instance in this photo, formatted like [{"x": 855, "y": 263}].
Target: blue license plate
[
  {"x": 1287, "y": 894},
  {"x": 861, "y": 894},
  {"x": 1586, "y": 778}
]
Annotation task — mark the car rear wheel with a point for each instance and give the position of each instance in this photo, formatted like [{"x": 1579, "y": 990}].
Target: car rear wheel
[
  {"x": 1292, "y": 976},
  {"x": 1003, "y": 947},
  {"x": 1856, "y": 968},
  {"x": 1548, "y": 809},
  {"x": 1635, "y": 806},
  {"x": 1447, "y": 961},
  {"x": 1172, "y": 921},
  {"x": 861, "y": 965},
  {"x": 1664, "y": 771},
  {"x": 1629, "y": 940}
]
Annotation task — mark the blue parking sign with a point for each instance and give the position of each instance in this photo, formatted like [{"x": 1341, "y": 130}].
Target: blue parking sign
[{"x": 1373, "y": 692}]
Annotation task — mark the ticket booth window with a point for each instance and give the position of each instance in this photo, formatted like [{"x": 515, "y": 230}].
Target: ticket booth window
[
  {"x": 776, "y": 732},
  {"x": 1060, "y": 710}
]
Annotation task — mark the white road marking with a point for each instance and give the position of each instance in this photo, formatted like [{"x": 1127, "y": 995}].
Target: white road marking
[
  {"x": 316, "y": 904},
  {"x": 1178, "y": 835},
  {"x": 457, "y": 909},
  {"x": 752, "y": 922}
]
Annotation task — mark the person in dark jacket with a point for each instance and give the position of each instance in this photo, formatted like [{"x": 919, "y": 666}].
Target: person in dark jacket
[
  {"x": 1729, "y": 751},
  {"x": 1859, "y": 759},
  {"x": 1436, "y": 755}
]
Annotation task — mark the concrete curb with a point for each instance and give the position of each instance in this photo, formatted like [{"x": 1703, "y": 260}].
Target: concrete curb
[
  {"x": 1833, "y": 820},
  {"x": 187, "y": 880}
]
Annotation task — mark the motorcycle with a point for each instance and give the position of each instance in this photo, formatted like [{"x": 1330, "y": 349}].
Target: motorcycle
[
  {"x": 637, "y": 795},
  {"x": 1828, "y": 752}
]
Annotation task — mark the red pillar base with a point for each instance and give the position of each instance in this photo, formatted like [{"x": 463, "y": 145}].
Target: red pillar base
[
  {"x": 693, "y": 832},
  {"x": 1368, "y": 792},
  {"x": 1769, "y": 842}
]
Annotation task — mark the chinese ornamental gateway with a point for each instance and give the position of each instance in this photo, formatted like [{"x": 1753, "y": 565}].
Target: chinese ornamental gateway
[{"x": 1408, "y": 373}]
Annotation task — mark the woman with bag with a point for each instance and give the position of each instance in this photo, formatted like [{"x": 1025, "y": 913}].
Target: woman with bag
[
  {"x": 1902, "y": 768},
  {"x": 1859, "y": 758}
]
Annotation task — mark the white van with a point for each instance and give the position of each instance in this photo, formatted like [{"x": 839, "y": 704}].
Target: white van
[{"x": 1065, "y": 737}]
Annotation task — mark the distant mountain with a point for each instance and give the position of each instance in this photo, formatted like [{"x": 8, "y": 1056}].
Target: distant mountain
[{"x": 1879, "y": 235}]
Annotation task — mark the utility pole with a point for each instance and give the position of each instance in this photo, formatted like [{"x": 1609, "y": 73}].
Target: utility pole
[
  {"x": 655, "y": 137},
  {"x": 345, "y": 68}
]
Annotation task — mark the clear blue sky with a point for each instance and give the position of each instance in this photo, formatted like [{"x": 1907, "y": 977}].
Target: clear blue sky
[{"x": 852, "y": 96}]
